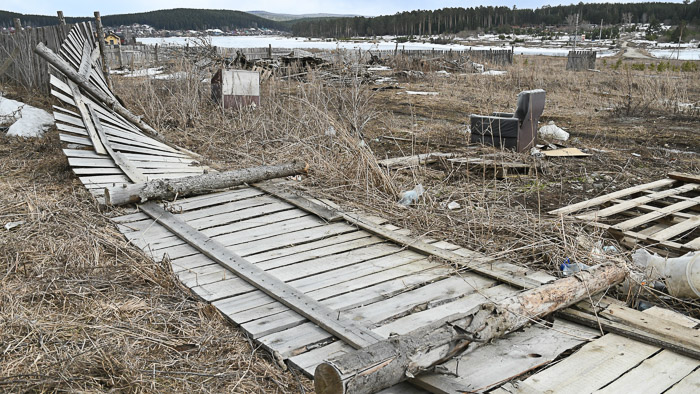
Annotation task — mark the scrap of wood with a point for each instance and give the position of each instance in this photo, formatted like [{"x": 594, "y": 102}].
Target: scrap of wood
[
  {"x": 276, "y": 189},
  {"x": 685, "y": 177},
  {"x": 565, "y": 152},
  {"x": 413, "y": 160}
]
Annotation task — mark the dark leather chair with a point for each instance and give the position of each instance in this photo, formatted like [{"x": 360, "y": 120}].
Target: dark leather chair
[{"x": 516, "y": 131}]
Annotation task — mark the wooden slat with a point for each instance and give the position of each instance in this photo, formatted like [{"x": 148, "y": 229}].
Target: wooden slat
[
  {"x": 679, "y": 176},
  {"x": 275, "y": 188},
  {"x": 602, "y": 199},
  {"x": 71, "y": 139},
  {"x": 301, "y": 303},
  {"x": 670, "y": 232},
  {"x": 86, "y": 120},
  {"x": 689, "y": 384},
  {"x": 129, "y": 170},
  {"x": 655, "y": 215}
]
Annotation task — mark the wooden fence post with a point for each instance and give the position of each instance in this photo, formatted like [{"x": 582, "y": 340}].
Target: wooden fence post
[
  {"x": 103, "y": 55},
  {"x": 61, "y": 19},
  {"x": 18, "y": 25}
]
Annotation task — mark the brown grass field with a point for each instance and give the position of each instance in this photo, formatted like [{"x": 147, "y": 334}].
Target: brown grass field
[{"x": 82, "y": 310}]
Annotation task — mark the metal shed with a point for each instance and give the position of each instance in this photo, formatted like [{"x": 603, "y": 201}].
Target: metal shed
[{"x": 236, "y": 88}]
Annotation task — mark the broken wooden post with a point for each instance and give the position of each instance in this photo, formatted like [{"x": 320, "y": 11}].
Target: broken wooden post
[
  {"x": 61, "y": 19},
  {"x": 401, "y": 357},
  {"x": 18, "y": 25},
  {"x": 199, "y": 184},
  {"x": 82, "y": 81},
  {"x": 103, "y": 54}
]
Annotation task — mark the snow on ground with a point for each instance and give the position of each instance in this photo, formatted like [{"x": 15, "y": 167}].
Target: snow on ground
[
  {"x": 381, "y": 44},
  {"x": 494, "y": 72},
  {"x": 25, "y": 120}
]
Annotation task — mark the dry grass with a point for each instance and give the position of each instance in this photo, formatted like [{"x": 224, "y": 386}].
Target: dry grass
[{"x": 81, "y": 310}]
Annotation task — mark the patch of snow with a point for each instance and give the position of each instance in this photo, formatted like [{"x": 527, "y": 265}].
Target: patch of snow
[
  {"x": 144, "y": 72},
  {"x": 421, "y": 93},
  {"x": 494, "y": 72},
  {"x": 26, "y": 121},
  {"x": 379, "y": 68}
]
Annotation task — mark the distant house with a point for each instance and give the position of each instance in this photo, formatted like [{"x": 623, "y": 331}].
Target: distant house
[{"x": 113, "y": 39}]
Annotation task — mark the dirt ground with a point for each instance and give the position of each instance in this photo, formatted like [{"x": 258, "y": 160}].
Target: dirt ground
[{"x": 82, "y": 310}]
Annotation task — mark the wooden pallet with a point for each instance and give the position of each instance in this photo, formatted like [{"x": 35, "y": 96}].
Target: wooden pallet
[{"x": 664, "y": 214}]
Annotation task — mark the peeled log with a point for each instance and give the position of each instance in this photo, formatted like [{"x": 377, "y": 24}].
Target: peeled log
[
  {"x": 391, "y": 361},
  {"x": 199, "y": 184}
]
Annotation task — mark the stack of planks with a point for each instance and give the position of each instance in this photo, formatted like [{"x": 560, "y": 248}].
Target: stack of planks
[{"x": 663, "y": 214}]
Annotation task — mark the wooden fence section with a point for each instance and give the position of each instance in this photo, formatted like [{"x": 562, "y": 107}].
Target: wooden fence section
[
  {"x": 581, "y": 60},
  {"x": 663, "y": 214},
  {"x": 19, "y": 63}
]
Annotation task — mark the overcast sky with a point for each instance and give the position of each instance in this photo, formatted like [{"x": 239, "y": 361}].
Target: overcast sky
[{"x": 357, "y": 7}]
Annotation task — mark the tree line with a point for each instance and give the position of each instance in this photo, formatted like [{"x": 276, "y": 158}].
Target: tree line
[
  {"x": 174, "y": 19},
  {"x": 455, "y": 20}
]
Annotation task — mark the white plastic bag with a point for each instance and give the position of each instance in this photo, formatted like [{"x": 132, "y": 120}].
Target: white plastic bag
[
  {"x": 680, "y": 274},
  {"x": 550, "y": 130}
]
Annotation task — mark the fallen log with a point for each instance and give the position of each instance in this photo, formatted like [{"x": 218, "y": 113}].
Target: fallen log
[
  {"x": 391, "y": 361},
  {"x": 192, "y": 185}
]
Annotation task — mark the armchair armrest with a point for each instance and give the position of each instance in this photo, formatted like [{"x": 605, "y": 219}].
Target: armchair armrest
[{"x": 504, "y": 114}]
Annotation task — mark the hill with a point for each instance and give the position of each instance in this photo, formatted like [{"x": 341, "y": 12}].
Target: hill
[
  {"x": 290, "y": 17},
  {"x": 174, "y": 19}
]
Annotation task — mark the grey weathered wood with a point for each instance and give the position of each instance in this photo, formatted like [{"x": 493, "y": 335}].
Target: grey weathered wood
[
  {"x": 390, "y": 362},
  {"x": 132, "y": 172},
  {"x": 478, "y": 264},
  {"x": 86, "y": 121},
  {"x": 301, "y": 303},
  {"x": 164, "y": 189},
  {"x": 276, "y": 189}
]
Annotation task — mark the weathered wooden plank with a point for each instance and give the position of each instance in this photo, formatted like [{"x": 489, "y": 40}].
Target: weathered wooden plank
[
  {"x": 676, "y": 229},
  {"x": 71, "y": 139},
  {"x": 71, "y": 129},
  {"x": 655, "y": 215},
  {"x": 477, "y": 263},
  {"x": 133, "y": 173},
  {"x": 689, "y": 384},
  {"x": 82, "y": 162},
  {"x": 275, "y": 188},
  {"x": 605, "y": 198},
  {"x": 301, "y": 303},
  {"x": 86, "y": 120},
  {"x": 685, "y": 177}
]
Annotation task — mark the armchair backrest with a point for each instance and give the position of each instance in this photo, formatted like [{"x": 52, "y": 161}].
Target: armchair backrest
[{"x": 530, "y": 108}]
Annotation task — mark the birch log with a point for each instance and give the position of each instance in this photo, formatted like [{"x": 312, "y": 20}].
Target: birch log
[
  {"x": 199, "y": 184},
  {"x": 391, "y": 361}
]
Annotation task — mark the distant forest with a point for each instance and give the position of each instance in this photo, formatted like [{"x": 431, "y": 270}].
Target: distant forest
[
  {"x": 175, "y": 19},
  {"x": 455, "y": 20},
  {"x": 443, "y": 21}
]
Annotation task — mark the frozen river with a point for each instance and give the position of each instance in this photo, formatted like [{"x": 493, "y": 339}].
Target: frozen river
[{"x": 303, "y": 43}]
